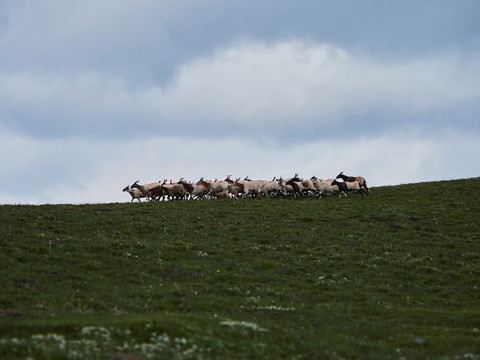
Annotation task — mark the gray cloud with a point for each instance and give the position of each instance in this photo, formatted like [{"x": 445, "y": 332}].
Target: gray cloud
[
  {"x": 79, "y": 171},
  {"x": 145, "y": 41},
  {"x": 267, "y": 91},
  {"x": 92, "y": 94}
]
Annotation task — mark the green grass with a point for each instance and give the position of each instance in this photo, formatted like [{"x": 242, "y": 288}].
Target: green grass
[{"x": 395, "y": 275}]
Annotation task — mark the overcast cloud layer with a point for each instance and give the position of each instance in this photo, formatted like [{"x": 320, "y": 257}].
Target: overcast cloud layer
[{"x": 95, "y": 95}]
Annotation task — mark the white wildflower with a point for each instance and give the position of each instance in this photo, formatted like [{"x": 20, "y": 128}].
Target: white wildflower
[
  {"x": 276, "y": 308},
  {"x": 246, "y": 324}
]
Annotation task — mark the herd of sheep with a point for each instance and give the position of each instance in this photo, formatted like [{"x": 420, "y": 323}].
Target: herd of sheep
[{"x": 228, "y": 188}]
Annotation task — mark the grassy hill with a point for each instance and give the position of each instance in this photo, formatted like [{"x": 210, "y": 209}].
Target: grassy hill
[{"x": 395, "y": 275}]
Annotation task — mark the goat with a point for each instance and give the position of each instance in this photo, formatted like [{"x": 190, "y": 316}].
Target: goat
[
  {"x": 309, "y": 187},
  {"x": 145, "y": 189},
  {"x": 237, "y": 189},
  {"x": 199, "y": 192},
  {"x": 325, "y": 187},
  {"x": 219, "y": 188},
  {"x": 252, "y": 187},
  {"x": 234, "y": 188},
  {"x": 189, "y": 188},
  {"x": 195, "y": 191},
  {"x": 156, "y": 193},
  {"x": 207, "y": 184},
  {"x": 304, "y": 187},
  {"x": 361, "y": 181},
  {"x": 174, "y": 191},
  {"x": 272, "y": 187},
  {"x": 134, "y": 193},
  {"x": 347, "y": 186},
  {"x": 287, "y": 187}
]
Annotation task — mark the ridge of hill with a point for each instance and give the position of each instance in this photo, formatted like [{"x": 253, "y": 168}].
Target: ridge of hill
[{"x": 393, "y": 275}]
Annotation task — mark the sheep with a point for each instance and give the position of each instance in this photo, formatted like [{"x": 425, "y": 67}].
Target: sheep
[
  {"x": 219, "y": 188},
  {"x": 189, "y": 188},
  {"x": 134, "y": 193},
  {"x": 309, "y": 187},
  {"x": 234, "y": 189},
  {"x": 145, "y": 189},
  {"x": 347, "y": 186},
  {"x": 237, "y": 188},
  {"x": 304, "y": 187},
  {"x": 199, "y": 192},
  {"x": 272, "y": 187},
  {"x": 205, "y": 183},
  {"x": 174, "y": 191},
  {"x": 253, "y": 187},
  {"x": 194, "y": 191},
  {"x": 287, "y": 188},
  {"x": 156, "y": 193},
  {"x": 326, "y": 187},
  {"x": 361, "y": 181},
  {"x": 247, "y": 187}
]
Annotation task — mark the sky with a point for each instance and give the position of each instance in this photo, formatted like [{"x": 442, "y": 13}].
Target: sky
[{"x": 95, "y": 95}]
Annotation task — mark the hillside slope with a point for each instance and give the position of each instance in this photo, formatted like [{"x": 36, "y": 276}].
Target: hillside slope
[{"x": 393, "y": 275}]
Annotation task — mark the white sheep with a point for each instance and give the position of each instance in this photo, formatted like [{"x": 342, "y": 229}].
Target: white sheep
[
  {"x": 134, "y": 193},
  {"x": 361, "y": 181},
  {"x": 272, "y": 187},
  {"x": 325, "y": 187},
  {"x": 253, "y": 187},
  {"x": 346, "y": 186},
  {"x": 304, "y": 187},
  {"x": 146, "y": 188}
]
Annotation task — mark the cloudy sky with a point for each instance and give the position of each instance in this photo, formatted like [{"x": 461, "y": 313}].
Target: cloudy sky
[{"x": 97, "y": 94}]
